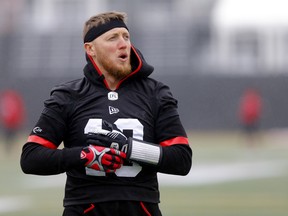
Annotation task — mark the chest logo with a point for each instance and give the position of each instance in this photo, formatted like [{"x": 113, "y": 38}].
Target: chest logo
[
  {"x": 113, "y": 110},
  {"x": 112, "y": 96}
]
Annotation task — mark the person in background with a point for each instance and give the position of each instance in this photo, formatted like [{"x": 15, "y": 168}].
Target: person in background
[
  {"x": 119, "y": 128},
  {"x": 12, "y": 115},
  {"x": 250, "y": 111}
]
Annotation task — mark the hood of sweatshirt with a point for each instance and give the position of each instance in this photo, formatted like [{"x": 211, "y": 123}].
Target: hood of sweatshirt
[{"x": 140, "y": 68}]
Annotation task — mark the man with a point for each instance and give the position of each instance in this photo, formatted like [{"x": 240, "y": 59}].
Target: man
[
  {"x": 250, "y": 108},
  {"x": 12, "y": 115},
  {"x": 119, "y": 128}
]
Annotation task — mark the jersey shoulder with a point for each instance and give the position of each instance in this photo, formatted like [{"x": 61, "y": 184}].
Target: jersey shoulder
[
  {"x": 71, "y": 91},
  {"x": 162, "y": 92},
  {"x": 152, "y": 87}
]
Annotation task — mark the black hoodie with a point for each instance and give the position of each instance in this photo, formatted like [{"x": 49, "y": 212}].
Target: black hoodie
[{"x": 141, "y": 107}]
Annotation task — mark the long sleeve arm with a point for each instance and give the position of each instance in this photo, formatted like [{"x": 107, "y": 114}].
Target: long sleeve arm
[
  {"x": 40, "y": 160},
  {"x": 173, "y": 159},
  {"x": 176, "y": 159}
]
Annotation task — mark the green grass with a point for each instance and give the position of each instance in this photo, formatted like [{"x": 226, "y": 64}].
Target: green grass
[
  {"x": 253, "y": 198},
  {"x": 266, "y": 196}
]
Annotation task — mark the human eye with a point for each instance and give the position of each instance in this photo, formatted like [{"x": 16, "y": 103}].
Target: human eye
[
  {"x": 111, "y": 38},
  {"x": 126, "y": 37}
]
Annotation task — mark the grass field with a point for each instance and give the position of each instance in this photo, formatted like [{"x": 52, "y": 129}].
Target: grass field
[{"x": 228, "y": 178}]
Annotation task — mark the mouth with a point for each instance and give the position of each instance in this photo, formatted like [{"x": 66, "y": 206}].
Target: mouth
[{"x": 123, "y": 57}]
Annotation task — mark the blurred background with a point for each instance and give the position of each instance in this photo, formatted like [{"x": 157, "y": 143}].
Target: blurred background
[{"x": 224, "y": 60}]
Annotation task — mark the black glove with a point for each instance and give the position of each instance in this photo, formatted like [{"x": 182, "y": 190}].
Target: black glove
[
  {"x": 109, "y": 136},
  {"x": 102, "y": 159},
  {"x": 136, "y": 150}
]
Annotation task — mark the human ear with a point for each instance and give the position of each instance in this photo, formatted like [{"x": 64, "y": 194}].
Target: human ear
[{"x": 89, "y": 48}]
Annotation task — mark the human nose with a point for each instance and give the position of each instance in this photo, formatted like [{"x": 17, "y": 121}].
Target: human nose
[{"x": 123, "y": 42}]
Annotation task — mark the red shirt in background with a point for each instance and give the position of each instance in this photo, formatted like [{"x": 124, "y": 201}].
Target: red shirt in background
[
  {"x": 250, "y": 107},
  {"x": 12, "y": 111}
]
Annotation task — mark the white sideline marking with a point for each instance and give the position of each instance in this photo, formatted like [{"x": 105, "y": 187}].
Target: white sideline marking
[
  {"x": 15, "y": 203},
  {"x": 199, "y": 175},
  {"x": 220, "y": 173},
  {"x": 44, "y": 181}
]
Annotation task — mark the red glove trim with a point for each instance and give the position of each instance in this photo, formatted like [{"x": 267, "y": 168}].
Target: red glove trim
[
  {"x": 174, "y": 141},
  {"x": 41, "y": 141}
]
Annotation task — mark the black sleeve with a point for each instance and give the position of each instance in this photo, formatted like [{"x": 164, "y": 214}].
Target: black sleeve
[
  {"x": 176, "y": 160},
  {"x": 40, "y": 160},
  {"x": 168, "y": 124}
]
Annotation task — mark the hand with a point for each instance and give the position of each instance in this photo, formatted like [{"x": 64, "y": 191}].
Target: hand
[
  {"x": 109, "y": 136},
  {"x": 102, "y": 159},
  {"x": 135, "y": 150}
]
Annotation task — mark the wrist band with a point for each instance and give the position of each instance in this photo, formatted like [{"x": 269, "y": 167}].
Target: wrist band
[{"x": 144, "y": 152}]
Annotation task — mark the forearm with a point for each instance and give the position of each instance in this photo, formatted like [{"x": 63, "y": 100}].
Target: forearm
[
  {"x": 172, "y": 156},
  {"x": 40, "y": 160},
  {"x": 176, "y": 160}
]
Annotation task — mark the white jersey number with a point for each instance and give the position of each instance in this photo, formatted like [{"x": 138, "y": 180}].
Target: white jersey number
[{"x": 123, "y": 124}]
